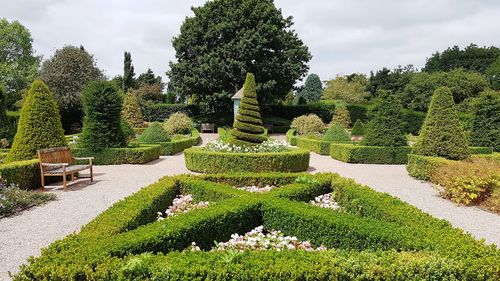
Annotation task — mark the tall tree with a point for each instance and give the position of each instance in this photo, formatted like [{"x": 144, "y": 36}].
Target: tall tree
[
  {"x": 149, "y": 78},
  {"x": 350, "y": 89},
  {"x": 471, "y": 58},
  {"x": 128, "y": 73},
  {"x": 18, "y": 64},
  {"x": 493, "y": 74},
  {"x": 394, "y": 80},
  {"x": 313, "y": 88},
  {"x": 228, "y": 38}
]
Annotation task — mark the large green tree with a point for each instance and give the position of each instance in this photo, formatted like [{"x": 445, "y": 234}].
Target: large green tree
[
  {"x": 149, "y": 78},
  {"x": 493, "y": 74},
  {"x": 66, "y": 73},
  {"x": 471, "y": 58},
  {"x": 350, "y": 89},
  {"x": 226, "y": 39},
  {"x": 394, "y": 80},
  {"x": 313, "y": 88},
  {"x": 128, "y": 72},
  {"x": 18, "y": 64}
]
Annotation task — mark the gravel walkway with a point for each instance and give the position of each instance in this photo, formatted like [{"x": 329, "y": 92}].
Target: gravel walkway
[{"x": 24, "y": 235}]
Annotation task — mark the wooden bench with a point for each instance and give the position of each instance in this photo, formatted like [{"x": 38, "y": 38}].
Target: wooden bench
[{"x": 58, "y": 162}]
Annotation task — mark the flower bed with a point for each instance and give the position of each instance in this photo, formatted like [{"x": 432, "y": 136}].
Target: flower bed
[
  {"x": 13, "y": 199},
  {"x": 325, "y": 201},
  {"x": 117, "y": 156},
  {"x": 353, "y": 153},
  {"x": 182, "y": 204},
  {"x": 257, "y": 189}
]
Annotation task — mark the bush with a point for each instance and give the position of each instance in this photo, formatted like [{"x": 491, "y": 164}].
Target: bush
[
  {"x": 442, "y": 135},
  {"x": 178, "y": 123},
  {"x": 341, "y": 117},
  {"x": 358, "y": 129},
  {"x": 352, "y": 153},
  {"x": 131, "y": 110},
  {"x": 24, "y": 174},
  {"x": 13, "y": 200},
  {"x": 291, "y": 139},
  {"x": 178, "y": 145},
  {"x": 422, "y": 167},
  {"x": 39, "y": 125},
  {"x": 159, "y": 112},
  {"x": 121, "y": 155},
  {"x": 155, "y": 133},
  {"x": 127, "y": 129},
  {"x": 318, "y": 146},
  {"x": 102, "y": 122},
  {"x": 486, "y": 124},
  {"x": 337, "y": 133},
  {"x": 6, "y": 124},
  {"x": 307, "y": 124}
]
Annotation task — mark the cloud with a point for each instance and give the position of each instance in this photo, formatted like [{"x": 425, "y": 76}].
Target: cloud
[{"x": 343, "y": 36}]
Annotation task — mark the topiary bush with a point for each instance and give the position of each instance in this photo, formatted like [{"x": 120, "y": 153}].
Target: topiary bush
[
  {"x": 247, "y": 126},
  {"x": 358, "y": 129},
  {"x": 102, "y": 126},
  {"x": 307, "y": 124},
  {"x": 386, "y": 126},
  {"x": 127, "y": 129},
  {"x": 178, "y": 124},
  {"x": 341, "y": 117},
  {"x": 155, "y": 133},
  {"x": 442, "y": 134},
  {"x": 486, "y": 124},
  {"x": 131, "y": 110},
  {"x": 39, "y": 125},
  {"x": 6, "y": 125},
  {"x": 337, "y": 133}
]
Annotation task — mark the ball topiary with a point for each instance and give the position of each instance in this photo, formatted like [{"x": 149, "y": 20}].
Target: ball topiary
[
  {"x": 307, "y": 124},
  {"x": 337, "y": 133},
  {"x": 247, "y": 126},
  {"x": 155, "y": 133},
  {"x": 341, "y": 117},
  {"x": 358, "y": 129},
  {"x": 102, "y": 126},
  {"x": 386, "y": 126},
  {"x": 178, "y": 124},
  {"x": 131, "y": 110},
  {"x": 39, "y": 125},
  {"x": 442, "y": 134},
  {"x": 486, "y": 124}
]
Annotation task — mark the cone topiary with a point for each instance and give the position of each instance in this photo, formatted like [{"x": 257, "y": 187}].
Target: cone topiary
[
  {"x": 247, "y": 127},
  {"x": 131, "y": 110},
  {"x": 442, "y": 134},
  {"x": 337, "y": 133},
  {"x": 39, "y": 125},
  {"x": 486, "y": 125},
  {"x": 155, "y": 133},
  {"x": 358, "y": 129},
  {"x": 341, "y": 117},
  {"x": 6, "y": 126}
]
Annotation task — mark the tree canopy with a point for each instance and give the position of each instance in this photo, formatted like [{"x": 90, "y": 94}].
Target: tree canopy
[
  {"x": 350, "y": 89},
  {"x": 128, "y": 72},
  {"x": 313, "y": 88},
  {"x": 493, "y": 74},
  {"x": 471, "y": 58},
  {"x": 394, "y": 80}
]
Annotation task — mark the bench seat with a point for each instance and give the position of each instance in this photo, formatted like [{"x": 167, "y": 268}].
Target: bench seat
[{"x": 69, "y": 169}]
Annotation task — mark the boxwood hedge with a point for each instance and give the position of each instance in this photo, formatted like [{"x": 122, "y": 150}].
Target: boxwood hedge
[
  {"x": 376, "y": 237},
  {"x": 291, "y": 138},
  {"x": 178, "y": 145},
  {"x": 124, "y": 155},
  {"x": 318, "y": 146},
  {"x": 353, "y": 153}
]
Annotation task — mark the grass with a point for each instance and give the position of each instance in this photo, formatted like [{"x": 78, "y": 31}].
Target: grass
[{"x": 14, "y": 200}]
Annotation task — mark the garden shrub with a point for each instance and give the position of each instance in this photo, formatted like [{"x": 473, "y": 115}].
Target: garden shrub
[
  {"x": 13, "y": 200},
  {"x": 442, "y": 135},
  {"x": 178, "y": 124},
  {"x": 386, "y": 127},
  {"x": 131, "y": 110},
  {"x": 306, "y": 124},
  {"x": 315, "y": 145},
  {"x": 247, "y": 127},
  {"x": 412, "y": 121},
  {"x": 486, "y": 124},
  {"x": 120, "y": 155},
  {"x": 102, "y": 122},
  {"x": 155, "y": 133},
  {"x": 358, "y": 129},
  {"x": 39, "y": 125},
  {"x": 6, "y": 124},
  {"x": 159, "y": 112},
  {"x": 422, "y": 167},
  {"x": 127, "y": 129},
  {"x": 353, "y": 153},
  {"x": 291, "y": 139},
  {"x": 341, "y": 117},
  {"x": 336, "y": 133},
  {"x": 322, "y": 109},
  {"x": 178, "y": 143},
  {"x": 24, "y": 174}
]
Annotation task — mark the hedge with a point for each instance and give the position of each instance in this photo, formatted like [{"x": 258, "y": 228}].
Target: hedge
[
  {"x": 24, "y": 174},
  {"x": 117, "y": 156},
  {"x": 160, "y": 111},
  {"x": 422, "y": 167},
  {"x": 353, "y": 153},
  {"x": 318, "y": 146},
  {"x": 291, "y": 138},
  {"x": 323, "y": 110},
  {"x": 480, "y": 150},
  {"x": 203, "y": 161},
  {"x": 175, "y": 146},
  {"x": 376, "y": 236}
]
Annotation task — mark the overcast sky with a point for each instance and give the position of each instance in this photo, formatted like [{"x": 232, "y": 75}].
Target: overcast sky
[{"x": 343, "y": 36}]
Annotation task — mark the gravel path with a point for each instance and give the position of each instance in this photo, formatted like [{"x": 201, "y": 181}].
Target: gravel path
[{"x": 25, "y": 234}]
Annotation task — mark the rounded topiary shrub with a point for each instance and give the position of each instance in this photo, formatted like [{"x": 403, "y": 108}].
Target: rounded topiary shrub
[
  {"x": 337, "y": 133},
  {"x": 178, "y": 124},
  {"x": 247, "y": 127},
  {"x": 307, "y": 124},
  {"x": 358, "y": 129},
  {"x": 102, "y": 126},
  {"x": 442, "y": 134},
  {"x": 131, "y": 110},
  {"x": 341, "y": 117},
  {"x": 155, "y": 133},
  {"x": 486, "y": 125},
  {"x": 39, "y": 125}
]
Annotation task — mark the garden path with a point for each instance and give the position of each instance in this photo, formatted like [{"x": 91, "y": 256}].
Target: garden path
[{"x": 25, "y": 234}]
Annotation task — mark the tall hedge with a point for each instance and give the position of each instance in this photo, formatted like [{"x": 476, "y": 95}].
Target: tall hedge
[
  {"x": 486, "y": 124},
  {"x": 102, "y": 105},
  {"x": 39, "y": 125},
  {"x": 248, "y": 129},
  {"x": 442, "y": 134},
  {"x": 386, "y": 126},
  {"x": 6, "y": 126},
  {"x": 131, "y": 110}
]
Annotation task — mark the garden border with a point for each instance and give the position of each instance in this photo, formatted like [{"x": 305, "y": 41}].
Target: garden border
[{"x": 354, "y": 153}]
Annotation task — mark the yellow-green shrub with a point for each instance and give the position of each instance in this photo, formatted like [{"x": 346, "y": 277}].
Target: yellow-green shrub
[
  {"x": 306, "y": 124},
  {"x": 178, "y": 123}
]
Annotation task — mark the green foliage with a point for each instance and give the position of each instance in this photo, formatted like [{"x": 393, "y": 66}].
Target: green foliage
[
  {"x": 486, "y": 124},
  {"x": 6, "y": 124},
  {"x": 422, "y": 167},
  {"x": 247, "y": 127},
  {"x": 18, "y": 63},
  {"x": 322, "y": 109},
  {"x": 127, "y": 129},
  {"x": 350, "y": 89},
  {"x": 177, "y": 145},
  {"x": 313, "y": 88},
  {"x": 25, "y": 174},
  {"x": 154, "y": 134},
  {"x": 337, "y": 133},
  {"x": 39, "y": 125},
  {"x": 320, "y": 147},
  {"x": 131, "y": 110},
  {"x": 386, "y": 126},
  {"x": 471, "y": 58},
  {"x": 463, "y": 85},
  {"x": 13, "y": 200},
  {"x": 391, "y": 80},
  {"x": 121, "y": 155},
  {"x": 291, "y": 139},
  {"x": 232, "y": 37},
  {"x": 493, "y": 74},
  {"x": 149, "y": 78},
  {"x": 178, "y": 123},
  {"x": 150, "y": 93},
  {"x": 161, "y": 111},
  {"x": 442, "y": 134},
  {"x": 352, "y": 153},
  {"x": 341, "y": 117},
  {"x": 128, "y": 73},
  {"x": 358, "y": 129},
  {"x": 102, "y": 122},
  {"x": 307, "y": 124}
]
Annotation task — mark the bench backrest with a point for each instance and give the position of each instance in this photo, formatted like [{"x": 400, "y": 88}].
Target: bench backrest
[{"x": 55, "y": 155}]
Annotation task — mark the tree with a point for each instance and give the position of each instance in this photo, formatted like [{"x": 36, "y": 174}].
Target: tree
[
  {"x": 228, "y": 38},
  {"x": 472, "y": 58},
  {"x": 493, "y": 74},
  {"x": 348, "y": 89},
  {"x": 386, "y": 126},
  {"x": 18, "y": 64},
  {"x": 128, "y": 73},
  {"x": 394, "y": 80},
  {"x": 342, "y": 117},
  {"x": 486, "y": 124},
  {"x": 102, "y": 121},
  {"x": 66, "y": 73},
  {"x": 148, "y": 77},
  {"x": 442, "y": 134},
  {"x": 150, "y": 92},
  {"x": 313, "y": 88},
  {"x": 6, "y": 126},
  {"x": 131, "y": 111},
  {"x": 247, "y": 127},
  {"x": 39, "y": 125}
]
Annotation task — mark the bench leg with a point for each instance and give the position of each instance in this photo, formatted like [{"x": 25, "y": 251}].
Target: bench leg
[
  {"x": 91, "y": 174},
  {"x": 72, "y": 177},
  {"x": 64, "y": 181},
  {"x": 42, "y": 180}
]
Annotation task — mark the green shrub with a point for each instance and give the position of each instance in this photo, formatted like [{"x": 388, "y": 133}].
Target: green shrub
[
  {"x": 486, "y": 124},
  {"x": 178, "y": 123},
  {"x": 341, "y": 117},
  {"x": 13, "y": 200},
  {"x": 6, "y": 124},
  {"x": 306, "y": 124},
  {"x": 131, "y": 110},
  {"x": 322, "y": 109},
  {"x": 291, "y": 139},
  {"x": 318, "y": 146},
  {"x": 177, "y": 145},
  {"x": 155, "y": 133},
  {"x": 102, "y": 122},
  {"x": 412, "y": 121},
  {"x": 39, "y": 125},
  {"x": 422, "y": 167},
  {"x": 159, "y": 112},
  {"x": 352, "y": 153},
  {"x": 358, "y": 129},
  {"x": 121, "y": 155},
  {"x": 127, "y": 129},
  {"x": 25, "y": 174},
  {"x": 247, "y": 127},
  {"x": 336, "y": 133},
  {"x": 442, "y": 135}
]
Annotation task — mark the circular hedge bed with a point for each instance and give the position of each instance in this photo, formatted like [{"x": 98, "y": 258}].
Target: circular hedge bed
[{"x": 203, "y": 161}]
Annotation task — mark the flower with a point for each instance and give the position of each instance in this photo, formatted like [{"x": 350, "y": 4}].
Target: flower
[
  {"x": 325, "y": 201},
  {"x": 182, "y": 204}
]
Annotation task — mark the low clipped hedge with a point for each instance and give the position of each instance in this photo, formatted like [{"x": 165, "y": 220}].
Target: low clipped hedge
[
  {"x": 353, "y": 153},
  {"x": 203, "y": 161},
  {"x": 24, "y": 174},
  {"x": 175, "y": 146},
  {"x": 480, "y": 150},
  {"x": 127, "y": 155},
  {"x": 160, "y": 111},
  {"x": 291, "y": 138},
  {"x": 318, "y": 146},
  {"x": 422, "y": 167}
]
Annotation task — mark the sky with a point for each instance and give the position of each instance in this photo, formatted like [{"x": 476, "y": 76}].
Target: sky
[{"x": 343, "y": 36}]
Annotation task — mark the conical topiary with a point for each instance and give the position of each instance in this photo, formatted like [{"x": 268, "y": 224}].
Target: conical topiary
[
  {"x": 39, "y": 125},
  {"x": 341, "y": 117},
  {"x": 131, "y": 110},
  {"x": 486, "y": 125},
  {"x": 155, "y": 133},
  {"x": 6, "y": 126},
  {"x": 337, "y": 133},
  {"x": 358, "y": 129},
  {"x": 442, "y": 134},
  {"x": 247, "y": 127}
]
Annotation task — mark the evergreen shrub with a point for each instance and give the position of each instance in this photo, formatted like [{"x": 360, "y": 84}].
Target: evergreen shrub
[
  {"x": 131, "y": 110},
  {"x": 341, "y": 117},
  {"x": 358, "y": 129},
  {"x": 307, "y": 124},
  {"x": 337, "y": 133},
  {"x": 386, "y": 126},
  {"x": 486, "y": 124},
  {"x": 155, "y": 133},
  {"x": 178, "y": 124}
]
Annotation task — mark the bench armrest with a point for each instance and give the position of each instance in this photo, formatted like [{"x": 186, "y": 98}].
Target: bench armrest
[{"x": 84, "y": 158}]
